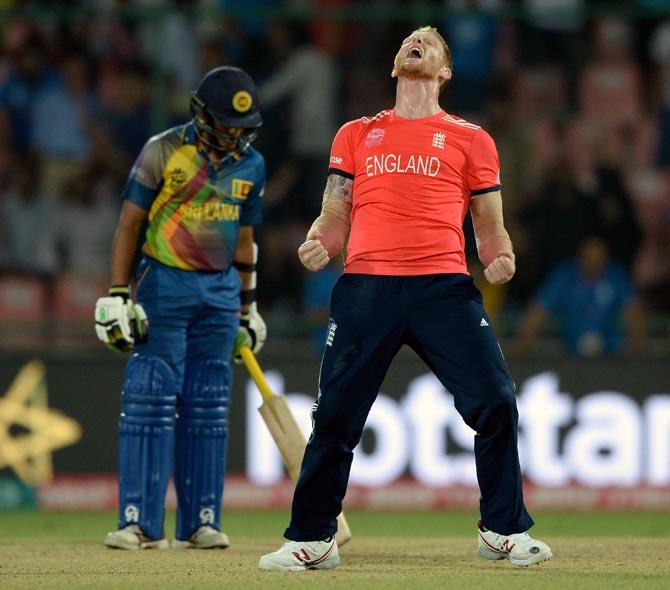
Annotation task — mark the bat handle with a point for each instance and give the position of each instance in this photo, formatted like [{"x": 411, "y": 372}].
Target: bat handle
[{"x": 256, "y": 372}]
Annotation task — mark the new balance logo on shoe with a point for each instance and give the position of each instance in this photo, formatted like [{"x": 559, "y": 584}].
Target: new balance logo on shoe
[
  {"x": 305, "y": 557},
  {"x": 483, "y": 322}
]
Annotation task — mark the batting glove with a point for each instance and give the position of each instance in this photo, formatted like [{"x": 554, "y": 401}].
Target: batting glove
[
  {"x": 252, "y": 333},
  {"x": 119, "y": 322}
]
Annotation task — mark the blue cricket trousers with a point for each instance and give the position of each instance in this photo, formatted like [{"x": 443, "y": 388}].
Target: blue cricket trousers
[
  {"x": 440, "y": 317},
  {"x": 192, "y": 315}
]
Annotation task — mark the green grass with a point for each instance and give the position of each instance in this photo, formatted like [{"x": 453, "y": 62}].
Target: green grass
[
  {"x": 267, "y": 523},
  {"x": 431, "y": 550}
]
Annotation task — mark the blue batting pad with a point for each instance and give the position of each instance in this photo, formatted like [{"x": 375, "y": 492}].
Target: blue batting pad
[
  {"x": 200, "y": 445},
  {"x": 146, "y": 443}
]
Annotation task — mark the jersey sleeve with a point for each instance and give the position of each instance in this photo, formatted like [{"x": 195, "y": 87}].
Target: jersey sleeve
[
  {"x": 483, "y": 165},
  {"x": 342, "y": 151},
  {"x": 252, "y": 209},
  {"x": 146, "y": 177}
]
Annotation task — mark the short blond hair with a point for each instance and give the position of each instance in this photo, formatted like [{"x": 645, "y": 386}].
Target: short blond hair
[{"x": 447, "y": 52}]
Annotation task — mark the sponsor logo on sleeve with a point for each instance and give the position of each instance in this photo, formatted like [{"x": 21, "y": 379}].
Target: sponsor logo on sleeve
[{"x": 336, "y": 160}]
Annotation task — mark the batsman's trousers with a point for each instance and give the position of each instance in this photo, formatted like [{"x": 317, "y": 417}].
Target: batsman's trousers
[
  {"x": 441, "y": 317},
  {"x": 193, "y": 316}
]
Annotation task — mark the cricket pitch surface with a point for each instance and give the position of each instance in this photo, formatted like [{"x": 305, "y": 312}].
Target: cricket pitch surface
[{"x": 389, "y": 550}]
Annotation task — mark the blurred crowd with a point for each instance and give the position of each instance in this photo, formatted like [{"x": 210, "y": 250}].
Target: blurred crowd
[{"x": 579, "y": 106}]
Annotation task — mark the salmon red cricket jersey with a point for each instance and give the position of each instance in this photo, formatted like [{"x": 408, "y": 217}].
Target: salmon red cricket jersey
[{"x": 413, "y": 180}]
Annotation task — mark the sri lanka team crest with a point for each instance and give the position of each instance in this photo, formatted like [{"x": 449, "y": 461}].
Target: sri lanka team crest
[
  {"x": 241, "y": 188},
  {"x": 176, "y": 179},
  {"x": 242, "y": 101}
]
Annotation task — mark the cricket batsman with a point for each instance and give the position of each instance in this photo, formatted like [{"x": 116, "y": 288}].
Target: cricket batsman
[
  {"x": 198, "y": 188},
  {"x": 399, "y": 186}
]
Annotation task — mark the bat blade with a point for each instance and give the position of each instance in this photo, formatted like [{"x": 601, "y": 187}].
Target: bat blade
[
  {"x": 291, "y": 443},
  {"x": 285, "y": 432}
]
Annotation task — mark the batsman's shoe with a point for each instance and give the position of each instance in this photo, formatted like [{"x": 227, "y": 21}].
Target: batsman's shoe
[
  {"x": 519, "y": 548},
  {"x": 298, "y": 556},
  {"x": 132, "y": 538},
  {"x": 206, "y": 537}
]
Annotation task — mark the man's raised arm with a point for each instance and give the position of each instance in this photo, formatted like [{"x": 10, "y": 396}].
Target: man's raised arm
[{"x": 328, "y": 233}]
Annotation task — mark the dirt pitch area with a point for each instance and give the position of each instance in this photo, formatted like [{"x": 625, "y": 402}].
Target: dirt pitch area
[{"x": 367, "y": 563}]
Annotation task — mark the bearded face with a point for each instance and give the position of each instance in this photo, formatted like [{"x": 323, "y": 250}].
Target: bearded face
[{"x": 421, "y": 56}]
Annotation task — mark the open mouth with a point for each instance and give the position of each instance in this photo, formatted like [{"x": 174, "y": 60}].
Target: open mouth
[{"x": 415, "y": 52}]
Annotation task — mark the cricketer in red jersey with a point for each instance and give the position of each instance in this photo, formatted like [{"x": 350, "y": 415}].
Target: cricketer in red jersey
[
  {"x": 400, "y": 226},
  {"x": 399, "y": 187}
]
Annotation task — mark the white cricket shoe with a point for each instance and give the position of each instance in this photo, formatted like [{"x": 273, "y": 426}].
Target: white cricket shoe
[
  {"x": 132, "y": 538},
  {"x": 206, "y": 537},
  {"x": 519, "y": 548},
  {"x": 298, "y": 556}
]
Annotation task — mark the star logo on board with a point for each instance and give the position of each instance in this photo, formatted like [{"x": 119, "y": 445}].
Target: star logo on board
[
  {"x": 438, "y": 139},
  {"x": 29, "y": 430}
]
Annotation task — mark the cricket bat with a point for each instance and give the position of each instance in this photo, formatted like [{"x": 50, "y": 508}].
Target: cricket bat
[{"x": 285, "y": 431}]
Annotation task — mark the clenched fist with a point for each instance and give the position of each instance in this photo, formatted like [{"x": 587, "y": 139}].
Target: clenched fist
[
  {"x": 312, "y": 252},
  {"x": 501, "y": 269}
]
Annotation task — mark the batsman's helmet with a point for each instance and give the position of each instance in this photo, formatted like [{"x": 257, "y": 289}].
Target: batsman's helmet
[{"x": 228, "y": 96}]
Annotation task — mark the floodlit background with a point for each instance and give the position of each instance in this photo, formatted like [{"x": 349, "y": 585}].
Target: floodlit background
[{"x": 577, "y": 97}]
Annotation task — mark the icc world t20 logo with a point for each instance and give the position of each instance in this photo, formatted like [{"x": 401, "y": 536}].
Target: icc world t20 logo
[{"x": 176, "y": 179}]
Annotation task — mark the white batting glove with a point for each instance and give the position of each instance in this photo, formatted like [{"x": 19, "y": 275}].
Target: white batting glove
[
  {"x": 312, "y": 253},
  {"x": 120, "y": 323},
  {"x": 252, "y": 333},
  {"x": 501, "y": 269}
]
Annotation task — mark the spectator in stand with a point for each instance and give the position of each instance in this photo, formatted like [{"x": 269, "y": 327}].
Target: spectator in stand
[
  {"x": 590, "y": 295},
  {"x": 29, "y": 223},
  {"x": 552, "y": 33},
  {"x": 553, "y": 224},
  {"x": 615, "y": 219},
  {"x": 178, "y": 56},
  {"x": 126, "y": 119},
  {"x": 309, "y": 79},
  {"x": 472, "y": 35},
  {"x": 28, "y": 77},
  {"x": 610, "y": 87},
  {"x": 86, "y": 225},
  {"x": 63, "y": 117},
  {"x": 659, "y": 52}
]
